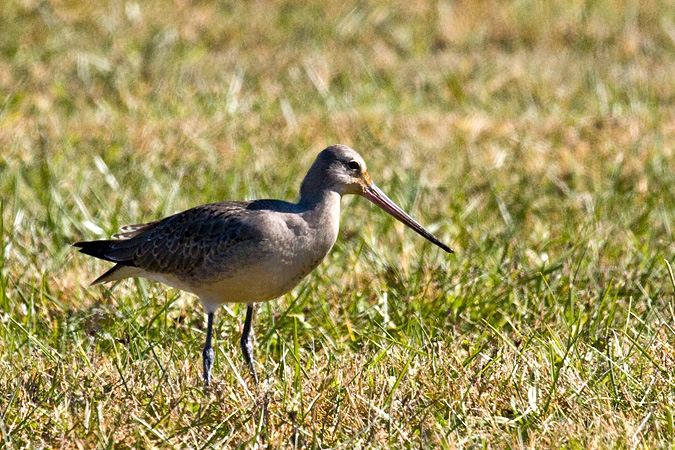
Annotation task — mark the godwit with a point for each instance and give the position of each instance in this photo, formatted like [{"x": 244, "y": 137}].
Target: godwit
[{"x": 246, "y": 251}]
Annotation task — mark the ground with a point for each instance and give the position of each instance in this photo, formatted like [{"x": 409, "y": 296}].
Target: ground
[{"x": 536, "y": 138}]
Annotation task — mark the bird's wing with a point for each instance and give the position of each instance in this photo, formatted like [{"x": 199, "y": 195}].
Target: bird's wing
[
  {"x": 196, "y": 242},
  {"x": 182, "y": 243}
]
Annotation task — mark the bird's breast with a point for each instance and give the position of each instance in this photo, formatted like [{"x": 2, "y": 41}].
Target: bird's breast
[{"x": 273, "y": 268}]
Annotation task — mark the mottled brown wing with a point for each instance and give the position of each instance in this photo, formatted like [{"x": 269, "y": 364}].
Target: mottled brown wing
[{"x": 182, "y": 243}]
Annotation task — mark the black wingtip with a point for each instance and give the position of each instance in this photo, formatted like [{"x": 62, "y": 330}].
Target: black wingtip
[{"x": 97, "y": 249}]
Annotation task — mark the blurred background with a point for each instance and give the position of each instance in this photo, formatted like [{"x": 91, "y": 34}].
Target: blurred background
[{"x": 534, "y": 137}]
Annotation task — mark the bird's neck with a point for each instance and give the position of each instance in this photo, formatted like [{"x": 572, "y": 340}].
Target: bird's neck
[
  {"x": 319, "y": 202},
  {"x": 322, "y": 216},
  {"x": 319, "y": 199},
  {"x": 320, "y": 205},
  {"x": 313, "y": 191}
]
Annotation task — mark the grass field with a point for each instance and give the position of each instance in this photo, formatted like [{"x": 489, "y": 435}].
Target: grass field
[{"x": 536, "y": 138}]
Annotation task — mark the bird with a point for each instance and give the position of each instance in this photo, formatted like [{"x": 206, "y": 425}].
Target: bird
[{"x": 246, "y": 251}]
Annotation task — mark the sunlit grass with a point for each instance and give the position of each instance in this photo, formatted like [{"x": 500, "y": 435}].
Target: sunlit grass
[{"x": 534, "y": 138}]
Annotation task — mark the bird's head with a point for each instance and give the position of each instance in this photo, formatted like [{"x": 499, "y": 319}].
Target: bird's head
[{"x": 341, "y": 169}]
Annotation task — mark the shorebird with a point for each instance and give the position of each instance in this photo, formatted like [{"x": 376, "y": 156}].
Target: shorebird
[{"x": 246, "y": 251}]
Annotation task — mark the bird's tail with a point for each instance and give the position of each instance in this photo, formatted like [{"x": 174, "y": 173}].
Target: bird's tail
[
  {"x": 117, "y": 251},
  {"x": 120, "y": 251},
  {"x": 98, "y": 249}
]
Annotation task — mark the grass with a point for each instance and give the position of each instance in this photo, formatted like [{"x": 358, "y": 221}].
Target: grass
[{"x": 534, "y": 137}]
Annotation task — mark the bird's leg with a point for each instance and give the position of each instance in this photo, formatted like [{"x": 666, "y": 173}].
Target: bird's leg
[
  {"x": 246, "y": 343},
  {"x": 208, "y": 354}
]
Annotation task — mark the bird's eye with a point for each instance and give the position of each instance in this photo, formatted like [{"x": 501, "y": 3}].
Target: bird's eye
[{"x": 354, "y": 165}]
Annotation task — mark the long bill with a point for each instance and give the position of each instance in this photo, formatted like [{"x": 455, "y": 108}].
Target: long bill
[{"x": 375, "y": 195}]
